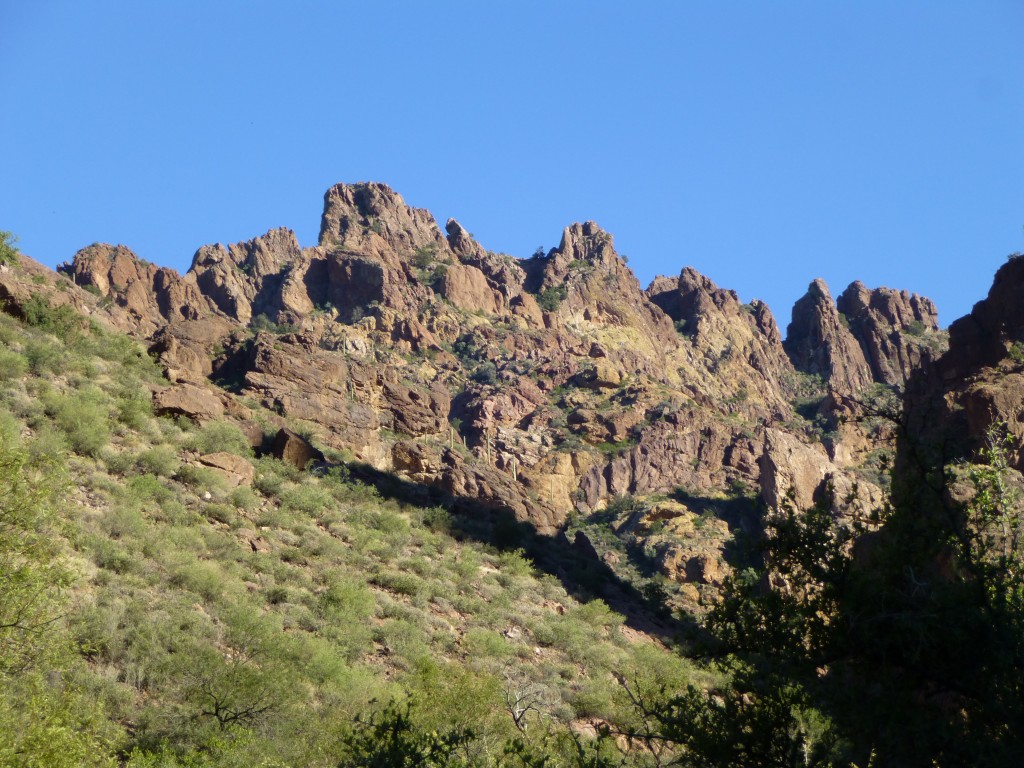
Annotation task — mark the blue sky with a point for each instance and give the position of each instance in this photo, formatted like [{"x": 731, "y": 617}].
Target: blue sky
[{"x": 763, "y": 143}]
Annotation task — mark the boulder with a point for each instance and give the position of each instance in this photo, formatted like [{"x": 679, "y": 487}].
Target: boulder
[
  {"x": 294, "y": 449},
  {"x": 197, "y": 403},
  {"x": 234, "y": 469}
]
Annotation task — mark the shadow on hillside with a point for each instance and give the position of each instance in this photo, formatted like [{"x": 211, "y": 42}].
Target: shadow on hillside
[
  {"x": 743, "y": 515},
  {"x": 582, "y": 575}
]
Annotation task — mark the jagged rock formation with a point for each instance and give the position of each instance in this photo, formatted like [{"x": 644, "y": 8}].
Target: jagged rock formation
[
  {"x": 536, "y": 386},
  {"x": 894, "y": 329},
  {"x": 819, "y": 342},
  {"x": 739, "y": 340},
  {"x": 978, "y": 384},
  {"x": 867, "y": 336}
]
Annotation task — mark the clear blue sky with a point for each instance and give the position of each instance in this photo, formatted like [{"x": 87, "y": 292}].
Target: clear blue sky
[{"x": 764, "y": 143}]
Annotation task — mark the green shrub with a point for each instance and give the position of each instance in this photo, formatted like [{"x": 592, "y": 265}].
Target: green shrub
[
  {"x": 486, "y": 643},
  {"x": 551, "y": 298},
  {"x": 309, "y": 499},
  {"x": 347, "y": 597},
  {"x": 8, "y": 248},
  {"x": 402, "y": 583},
  {"x": 161, "y": 460},
  {"x": 217, "y": 436},
  {"x": 44, "y": 357},
  {"x": 244, "y": 498},
  {"x": 62, "y": 321},
  {"x": 12, "y": 365},
  {"x": 201, "y": 479},
  {"x": 83, "y": 417},
  {"x": 133, "y": 406}
]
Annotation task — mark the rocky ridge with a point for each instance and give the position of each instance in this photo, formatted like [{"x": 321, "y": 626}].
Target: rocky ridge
[{"x": 542, "y": 387}]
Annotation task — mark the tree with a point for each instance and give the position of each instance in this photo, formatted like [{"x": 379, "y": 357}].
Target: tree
[
  {"x": 8, "y": 248},
  {"x": 30, "y": 573}
]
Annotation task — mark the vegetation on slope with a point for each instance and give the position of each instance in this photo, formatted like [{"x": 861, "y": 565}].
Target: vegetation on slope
[{"x": 186, "y": 622}]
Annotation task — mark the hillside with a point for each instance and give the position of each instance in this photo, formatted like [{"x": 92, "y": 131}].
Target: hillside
[{"x": 275, "y": 501}]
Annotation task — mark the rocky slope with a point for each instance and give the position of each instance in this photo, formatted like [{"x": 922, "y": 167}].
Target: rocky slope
[{"x": 542, "y": 387}]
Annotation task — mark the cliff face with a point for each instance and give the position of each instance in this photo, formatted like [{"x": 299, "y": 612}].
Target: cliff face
[
  {"x": 866, "y": 337},
  {"x": 975, "y": 391},
  {"x": 537, "y": 386}
]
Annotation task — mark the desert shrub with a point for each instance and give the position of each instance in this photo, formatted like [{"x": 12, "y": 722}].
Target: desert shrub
[
  {"x": 402, "y": 583},
  {"x": 243, "y": 497},
  {"x": 346, "y": 597},
  {"x": 485, "y": 373},
  {"x": 201, "y": 479},
  {"x": 217, "y": 436},
  {"x": 133, "y": 406},
  {"x": 12, "y": 365},
  {"x": 594, "y": 699},
  {"x": 8, "y": 248},
  {"x": 62, "y": 321},
  {"x": 486, "y": 643},
  {"x": 551, "y": 298},
  {"x": 221, "y": 513},
  {"x": 44, "y": 357},
  {"x": 306, "y": 498},
  {"x": 145, "y": 488},
  {"x": 83, "y": 416},
  {"x": 161, "y": 460},
  {"x": 199, "y": 576}
]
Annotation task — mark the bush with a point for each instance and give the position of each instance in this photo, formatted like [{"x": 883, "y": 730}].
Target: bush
[
  {"x": 551, "y": 298},
  {"x": 61, "y": 321},
  {"x": 44, "y": 357},
  {"x": 217, "y": 436},
  {"x": 12, "y": 365},
  {"x": 8, "y": 248},
  {"x": 486, "y": 373},
  {"x": 83, "y": 417},
  {"x": 161, "y": 460}
]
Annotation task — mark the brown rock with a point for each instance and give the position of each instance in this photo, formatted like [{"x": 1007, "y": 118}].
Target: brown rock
[
  {"x": 467, "y": 288},
  {"x": 198, "y": 403},
  {"x": 234, "y": 469},
  {"x": 245, "y": 280},
  {"x": 294, "y": 449},
  {"x": 818, "y": 342},
  {"x": 898, "y": 331}
]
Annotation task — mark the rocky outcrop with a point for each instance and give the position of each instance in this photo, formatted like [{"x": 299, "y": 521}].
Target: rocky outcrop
[
  {"x": 819, "y": 342},
  {"x": 197, "y": 403},
  {"x": 555, "y": 382},
  {"x": 467, "y": 288},
  {"x": 294, "y": 449},
  {"x": 977, "y": 386},
  {"x": 373, "y": 219},
  {"x": 245, "y": 280},
  {"x": 148, "y": 296},
  {"x": 233, "y": 469},
  {"x": 898, "y": 331},
  {"x": 737, "y": 344}
]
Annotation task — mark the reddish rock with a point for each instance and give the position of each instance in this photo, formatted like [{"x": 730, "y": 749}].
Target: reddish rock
[
  {"x": 234, "y": 469},
  {"x": 197, "y": 403},
  {"x": 294, "y": 449},
  {"x": 898, "y": 331},
  {"x": 819, "y": 342},
  {"x": 467, "y": 288}
]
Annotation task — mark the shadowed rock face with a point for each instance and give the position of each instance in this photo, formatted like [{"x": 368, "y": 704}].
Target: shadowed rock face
[
  {"x": 867, "y": 336},
  {"x": 566, "y": 382},
  {"x": 978, "y": 384},
  {"x": 893, "y": 328},
  {"x": 819, "y": 342}
]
